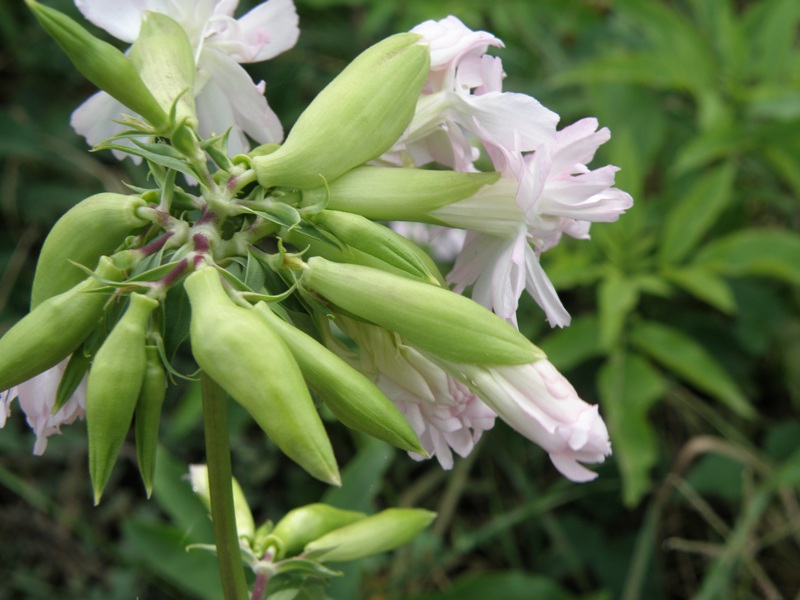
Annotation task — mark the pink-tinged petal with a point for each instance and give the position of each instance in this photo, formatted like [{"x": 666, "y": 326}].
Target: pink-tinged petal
[
  {"x": 577, "y": 145},
  {"x": 6, "y": 398},
  {"x": 537, "y": 401},
  {"x": 450, "y": 40},
  {"x": 268, "y": 30},
  {"x": 243, "y": 99},
  {"x": 570, "y": 468},
  {"x": 514, "y": 120},
  {"x": 544, "y": 294},
  {"x": 500, "y": 287}
]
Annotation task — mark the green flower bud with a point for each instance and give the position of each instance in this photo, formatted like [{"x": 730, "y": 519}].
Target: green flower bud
[
  {"x": 387, "y": 530},
  {"x": 375, "y": 240},
  {"x": 92, "y": 228},
  {"x": 243, "y": 354},
  {"x": 54, "y": 329},
  {"x": 313, "y": 246},
  {"x": 245, "y": 525},
  {"x": 356, "y": 118},
  {"x": 350, "y": 396},
  {"x": 115, "y": 380},
  {"x": 101, "y": 63},
  {"x": 392, "y": 194},
  {"x": 148, "y": 416},
  {"x": 432, "y": 318},
  {"x": 303, "y": 525},
  {"x": 163, "y": 56}
]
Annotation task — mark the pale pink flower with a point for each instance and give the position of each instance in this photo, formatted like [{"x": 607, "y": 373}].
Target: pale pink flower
[
  {"x": 36, "y": 397},
  {"x": 542, "y": 195},
  {"x": 446, "y": 416},
  {"x": 462, "y": 98},
  {"x": 225, "y": 95},
  {"x": 538, "y": 401}
]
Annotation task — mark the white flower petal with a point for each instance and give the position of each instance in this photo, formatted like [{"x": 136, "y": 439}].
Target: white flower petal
[
  {"x": 243, "y": 100},
  {"x": 267, "y": 30}
]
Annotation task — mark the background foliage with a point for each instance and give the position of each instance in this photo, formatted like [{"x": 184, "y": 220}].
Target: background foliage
[{"x": 686, "y": 329}]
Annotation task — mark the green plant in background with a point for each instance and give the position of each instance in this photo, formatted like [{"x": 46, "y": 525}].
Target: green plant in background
[{"x": 684, "y": 325}]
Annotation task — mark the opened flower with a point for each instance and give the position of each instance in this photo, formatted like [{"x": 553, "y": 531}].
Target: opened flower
[
  {"x": 444, "y": 413},
  {"x": 36, "y": 397},
  {"x": 225, "y": 95}
]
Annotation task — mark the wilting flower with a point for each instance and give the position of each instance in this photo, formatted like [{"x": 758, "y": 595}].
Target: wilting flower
[
  {"x": 538, "y": 401},
  {"x": 36, "y": 397},
  {"x": 444, "y": 413},
  {"x": 225, "y": 95}
]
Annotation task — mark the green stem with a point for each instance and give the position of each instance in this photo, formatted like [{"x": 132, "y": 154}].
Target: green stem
[{"x": 218, "y": 456}]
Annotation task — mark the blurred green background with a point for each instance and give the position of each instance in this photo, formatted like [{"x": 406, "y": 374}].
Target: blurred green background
[{"x": 686, "y": 329}]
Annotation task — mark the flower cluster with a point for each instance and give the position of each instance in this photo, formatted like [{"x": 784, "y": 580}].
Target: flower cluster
[
  {"x": 546, "y": 188},
  {"x": 280, "y": 251}
]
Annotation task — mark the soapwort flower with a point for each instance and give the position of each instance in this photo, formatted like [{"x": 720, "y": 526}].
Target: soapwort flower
[
  {"x": 444, "y": 413},
  {"x": 36, "y": 398},
  {"x": 225, "y": 95}
]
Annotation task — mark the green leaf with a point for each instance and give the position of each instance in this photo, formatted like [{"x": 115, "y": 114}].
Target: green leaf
[
  {"x": 158, "y": 153},
  {"x": 569, "y": 347},
  {"x": 687, "y": 359},
  {"x": 629, "y": 387},
  {"x": 770, "y": 26},
  {"x": 161, "y": 549},
  {"x": 362, "y": 477},
  {"x": 704, "y": 285},
  {"x": 508, "y": 585},
  {"x": 696, "y": 212},
  {"x": 771, "y": 253},
  {"x": 617, "y": 296}
]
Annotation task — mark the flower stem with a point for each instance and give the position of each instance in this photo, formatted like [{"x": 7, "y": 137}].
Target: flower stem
[{"x": 218, "y": 456}]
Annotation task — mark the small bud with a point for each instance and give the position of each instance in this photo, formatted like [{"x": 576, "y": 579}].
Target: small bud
[
  {"x": 112, "y": 391},
  {"x": 303, "y": 525},
  {"x": 392, "y": 194},
  {"x": 245, "y": 525},
  {"x": 387, "y": 530},
  {"x": 350, "y": 396},
  {"x": 356, "y": 118},
  {"x": 148, "y": 416},
  {"x": 54, "y": 329},
  {"x": 430, "y": 317},
  {"x": 101, "y": 63},
  {"x": 92, "y": 228},
  {"x": 244, "y": 355},
  {"x": 376, "y": 240}
]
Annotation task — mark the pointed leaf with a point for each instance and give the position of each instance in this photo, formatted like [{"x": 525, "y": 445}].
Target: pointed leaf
[
  {"x": 617, "y": 296},
  {"x": 696, "y": 212},
  {"x": 704, "y": 285},
  {"x": 771, "y": 253},
  {"x": 629, "y": 387},
  {"x": 690, "y": 361}
]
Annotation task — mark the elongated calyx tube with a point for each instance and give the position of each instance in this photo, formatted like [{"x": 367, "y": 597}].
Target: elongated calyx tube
[
  {"x": 55, "y": 328},
  {"x": 101, "y": 63},
  {"x": 432, "y": 318},
  {"x": 242, "y": 353},
  {"x": 115, "y": 379},
  {"x": 356, "y": 118},
  {"x": 94, "y": 227}
]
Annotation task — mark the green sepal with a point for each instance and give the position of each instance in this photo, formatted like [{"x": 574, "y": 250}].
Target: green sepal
[
  {"x": 305, "y": 524},
  {"x": 94, "y": 227},
  {"x": 112, "y": 391},
  {"x": 245, "y": 356},
  {"x": 356, "y": 118},
  {"x": 102, "y": 64},
  {"x": 148, "y": 416},
  {"x": 387, "y": 530},
  {"x": 394, "y": 194},
  {"x": 430, "y": 317},
  {"x": 55, "y": 328},
  {"x": 349, "y": 395}
]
